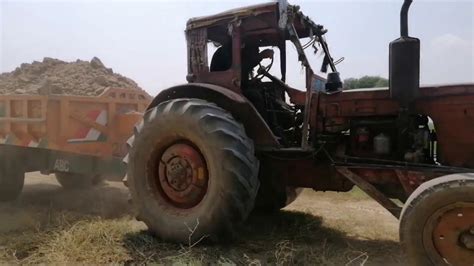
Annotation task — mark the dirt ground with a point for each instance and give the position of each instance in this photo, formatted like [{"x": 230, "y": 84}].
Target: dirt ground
[{"x": 48, "y": 224}]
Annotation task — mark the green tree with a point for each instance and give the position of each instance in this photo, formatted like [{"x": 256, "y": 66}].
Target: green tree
[{"x": 365, "y": 82}]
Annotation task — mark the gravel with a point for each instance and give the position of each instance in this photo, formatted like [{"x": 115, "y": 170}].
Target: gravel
[{"x": 53, "y": 76}]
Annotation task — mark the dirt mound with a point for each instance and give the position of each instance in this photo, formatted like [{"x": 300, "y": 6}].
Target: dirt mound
[{"x": 53, "y": 76}]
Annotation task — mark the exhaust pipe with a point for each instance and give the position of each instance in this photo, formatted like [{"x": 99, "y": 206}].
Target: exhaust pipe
[
  {"x": 404, "y": 64},
  {"x": 404, "y": 18}
]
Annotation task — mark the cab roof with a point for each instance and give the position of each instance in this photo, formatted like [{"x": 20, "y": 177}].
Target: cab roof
[
  {"x": 229, "y": 15},
  {"x": 258, "y": 23}
]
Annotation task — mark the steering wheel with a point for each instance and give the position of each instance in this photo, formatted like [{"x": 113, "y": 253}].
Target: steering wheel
[{"x": 262, "y": 70}]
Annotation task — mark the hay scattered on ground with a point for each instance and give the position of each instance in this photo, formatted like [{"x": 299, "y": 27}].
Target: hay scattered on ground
[{"x": 56, "y": 226}]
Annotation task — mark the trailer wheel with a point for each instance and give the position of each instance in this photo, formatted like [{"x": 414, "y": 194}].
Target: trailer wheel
[
  {"x": 11, "y": 183},
  {"x": 77, "y": 181},
  {"x": 192, "y": 171},
  {"x": 437, "y": 222}
]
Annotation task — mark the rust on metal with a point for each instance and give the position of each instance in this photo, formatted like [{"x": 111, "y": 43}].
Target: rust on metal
[
  {"x": 254, "y": 10},
  {"x": 410, "y": 180},
  {"x": 450, "y": 107},
  {"x": 452, "y": 236},
  {"x": 240, "y": 107},
  {"x": 183, "y": 175},
  {"x": 386, "y": 141},
  {"x": 316, "y": 151},
  {"x": 368, "y": 188}
]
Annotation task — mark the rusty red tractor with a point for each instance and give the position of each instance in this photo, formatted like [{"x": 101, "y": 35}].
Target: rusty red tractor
[{"x": 236, "y": 138}]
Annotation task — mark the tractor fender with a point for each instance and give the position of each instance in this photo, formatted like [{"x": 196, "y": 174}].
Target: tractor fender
[{"x": 239, "y": 106}]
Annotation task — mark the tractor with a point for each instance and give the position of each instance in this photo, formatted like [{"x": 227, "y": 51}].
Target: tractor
[{"x": 236, "y": 138}]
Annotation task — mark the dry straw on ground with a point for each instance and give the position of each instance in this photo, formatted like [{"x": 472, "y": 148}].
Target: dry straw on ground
[{"x": 96, "y": 227}]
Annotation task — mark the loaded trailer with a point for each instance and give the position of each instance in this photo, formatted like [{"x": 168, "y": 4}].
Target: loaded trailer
[{"x": 79, "y": 139}]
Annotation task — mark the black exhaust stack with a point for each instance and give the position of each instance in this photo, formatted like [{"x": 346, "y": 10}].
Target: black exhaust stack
[{"x": 404, "y": 69}]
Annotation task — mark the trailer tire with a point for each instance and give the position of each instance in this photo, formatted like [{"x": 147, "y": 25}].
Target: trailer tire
[
  {"x": 77, "y": 181},
  {"x": 425, "y": 213},
  {"x": 220, "y": 176},
  {"x": 11, "y": 183}
]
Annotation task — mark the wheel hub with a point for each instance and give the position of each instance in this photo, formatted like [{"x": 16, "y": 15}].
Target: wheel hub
[
  {"x": 179, "y": 173},
  {"x": 453, "y": 233},
  {"x": 468, "y": 239},
  {"x": 182, "y": 175}
]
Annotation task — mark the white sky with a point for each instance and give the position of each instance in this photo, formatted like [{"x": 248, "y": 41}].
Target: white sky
[{"x": 144, "y": 40}]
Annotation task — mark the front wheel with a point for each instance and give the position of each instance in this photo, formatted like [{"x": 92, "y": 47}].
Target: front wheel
[
  {"x": 437, "y": 222},
  {"x": 192, "y": 171}
]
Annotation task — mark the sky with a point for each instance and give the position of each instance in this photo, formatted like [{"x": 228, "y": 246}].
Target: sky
[{"x": 144, "y": 40}]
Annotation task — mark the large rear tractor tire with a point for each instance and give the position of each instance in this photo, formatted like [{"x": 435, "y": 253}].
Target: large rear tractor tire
[
  {"x": 12, "y": 178},
  {"x": 77, "y": 181},
  {"x": 437, "y": 222},
  {"x": 192, "y": 171}
]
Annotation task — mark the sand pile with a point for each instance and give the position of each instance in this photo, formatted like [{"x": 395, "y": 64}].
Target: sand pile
[{"x": 53, "y": 76}]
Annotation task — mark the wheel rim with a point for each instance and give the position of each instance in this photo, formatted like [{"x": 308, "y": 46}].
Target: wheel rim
[
  {"x": 449, "y": 235},
  {"x": 182, "y": 175}
]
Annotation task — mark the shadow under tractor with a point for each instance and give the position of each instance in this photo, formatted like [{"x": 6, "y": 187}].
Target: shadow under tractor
[{"x": 237, "y": 139}]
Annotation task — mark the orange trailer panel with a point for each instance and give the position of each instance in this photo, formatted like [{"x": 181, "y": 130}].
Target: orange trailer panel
[{"x": 97, "y": 126}]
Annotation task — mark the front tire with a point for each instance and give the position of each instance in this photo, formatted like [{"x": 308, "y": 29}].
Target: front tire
[
  {"x": 192, "y": 171},
  {"x": 437, "y": 222}
]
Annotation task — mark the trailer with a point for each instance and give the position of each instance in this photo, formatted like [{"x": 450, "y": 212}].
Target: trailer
[{"x": 81, "y": 140}]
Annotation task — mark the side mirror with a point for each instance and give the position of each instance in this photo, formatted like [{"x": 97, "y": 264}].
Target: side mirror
[{"x": 333, "y": 82}]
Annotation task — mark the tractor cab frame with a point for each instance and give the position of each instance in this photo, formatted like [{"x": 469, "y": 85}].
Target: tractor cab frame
[{"x": 271, "y": 24}]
